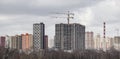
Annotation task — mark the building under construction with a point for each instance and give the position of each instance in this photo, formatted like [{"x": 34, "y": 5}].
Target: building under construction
[{"x": 69, "y": 37}]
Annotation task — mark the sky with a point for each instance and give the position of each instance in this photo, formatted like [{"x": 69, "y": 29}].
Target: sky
[{"x": 18, "y": 16}]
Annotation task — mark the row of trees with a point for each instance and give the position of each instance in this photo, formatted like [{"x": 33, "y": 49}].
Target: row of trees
[{"x": 51, "y": 54}]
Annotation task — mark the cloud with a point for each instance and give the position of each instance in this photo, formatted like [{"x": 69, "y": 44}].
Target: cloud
[
  {"x": 107, "y": 11},
  {"x": 18, "y": 16},
  {"x": 42, "y": 7}
]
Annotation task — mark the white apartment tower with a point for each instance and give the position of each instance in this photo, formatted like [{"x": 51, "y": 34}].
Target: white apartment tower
[
  {"x": 38, "y": 36},
  {"x": 89, "y": 41}
]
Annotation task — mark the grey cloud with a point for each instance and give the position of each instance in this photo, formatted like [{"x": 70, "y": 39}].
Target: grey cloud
[
  {"x": 29, "y": 6},
  {"x": 32, "y": 13},
  {"x": 107, "y": 11}
]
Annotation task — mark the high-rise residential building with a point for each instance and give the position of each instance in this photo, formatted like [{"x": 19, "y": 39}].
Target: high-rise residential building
[
  {"x": 23, "y": 42},
  {"x": 10, "y": 42},
  {"x": 45, "y": 42},
  {"x": 103, "y": 43},
  {"x": 2, "y": 41},
  {"x": 19, "y": 42},
  {"x": 116, "y": 42},
  {"x": 69, "y": 37},
  {"x": 100, "y": 43},
  {"x": 13, "y": 42},
  {"x": 30, "y": 41},
  {"x": 7, "y": 41},
  {"x": 89, "y": 41},
  {"x": 97, "y": 42},
  {"x": 109, "y": 43},
  {"x": 38, "y": 36},
  {"x": 27, "y": 40}
]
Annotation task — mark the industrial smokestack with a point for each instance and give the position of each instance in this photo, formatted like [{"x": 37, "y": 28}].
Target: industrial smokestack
[{"x": 104, "y": 30}]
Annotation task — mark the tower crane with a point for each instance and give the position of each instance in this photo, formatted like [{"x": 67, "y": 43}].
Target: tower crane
[{"x": 69, "y": 16}]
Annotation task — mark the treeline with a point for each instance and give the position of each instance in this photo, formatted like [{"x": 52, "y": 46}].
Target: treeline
[{"x": 51, "y": 54}]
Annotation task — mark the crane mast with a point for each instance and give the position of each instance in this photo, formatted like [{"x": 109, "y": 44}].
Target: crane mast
[{"x": 69, "y": 16}]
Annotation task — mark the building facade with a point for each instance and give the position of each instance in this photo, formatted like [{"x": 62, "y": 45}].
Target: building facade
[
  {"x": 7, "y": 41},
  {"x": 27, "y": 41},
  {"x": 38, "y": 36},
  {"x": 89, "y": 40},
  {"x": 98, "y": 42},
  {"x": 108, "y": 43},
  {"x": 19, "y": 42},
  {"x": 30, "y": 42},
  {"x": 116, "y": 42},
  {"x": 45, "y": 42},
  {"x": 13, "y": 42},
  {"x": 69, "y": 37},
  {"x": 2, "y": 41},
  {"x": 103, "y": 43}
]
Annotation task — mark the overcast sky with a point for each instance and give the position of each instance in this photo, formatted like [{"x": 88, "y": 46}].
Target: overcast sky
[{"x": 18, "y": 16}]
